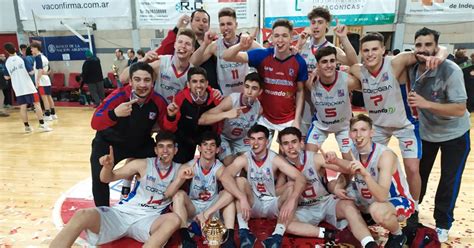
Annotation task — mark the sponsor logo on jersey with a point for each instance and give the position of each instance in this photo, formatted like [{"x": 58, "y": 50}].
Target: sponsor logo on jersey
[
  {"x": 276, "y": 81},
  {"x": 165, "y": 76},
  {"x": 291, "y": 72},
  {"x": 154, "y": 190},
  {"x": 340, "y": 93},
  {"x": 359, "y": 181},
  {"x": 277, "y": 93},
  {"x": 389, "y": 110},
  {"x": 377, "y": 90},
  {"x": 385, "y": 76},
  {"x": 365, "y": 81},
  {"x": 268, "y": 68},
  {"x": 330, "y": 103},
  {"x": 151, "y": 178},
  {"x": 234, "y": 84}
]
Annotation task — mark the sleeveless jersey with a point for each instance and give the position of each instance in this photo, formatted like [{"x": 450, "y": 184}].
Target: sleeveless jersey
[
  {"x": 237, "y": 128},
  {"x": 333, "y": 105},
  {"x": 309, "y": 50},
  {"x": 148, "y": 193},
  {"x": 204, "y": 184},
  {"x": 230, "y": 75},
  {"x": 44, "y": 81},
  {"x": 316, "y": 185},
  {"x": 385, "y": 99},
  {"x": 261, "y": 177},
  {"x": 398, "y": 186},
  {"x": 169, "y": 82}
]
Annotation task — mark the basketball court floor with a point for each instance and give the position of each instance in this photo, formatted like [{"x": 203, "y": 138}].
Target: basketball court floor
[{"x": 41, "y": 174}]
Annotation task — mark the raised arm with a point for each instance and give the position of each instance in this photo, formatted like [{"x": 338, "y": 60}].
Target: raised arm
[
  {"x": 347, "y": 55},
  {"x": 185, "y": 172},
  {"x": 206, "y": 50},
  {"x": 218, "y": 113},
  {"x": 406, "y": 59},
  {"x": 235, "y": 54},
  {"x": 108, "y": 174}
]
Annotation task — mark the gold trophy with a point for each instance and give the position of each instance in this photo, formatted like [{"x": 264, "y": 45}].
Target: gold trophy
[
  {"x": 116, "y": 75},
  {"x": 214, "y": 231}
]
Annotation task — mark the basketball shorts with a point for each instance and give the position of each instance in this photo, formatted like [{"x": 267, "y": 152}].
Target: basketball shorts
[
  {"x": 408, "y": 137},
  {"x": 317, "y": 137},
  {"x": 324, "y": 210}
]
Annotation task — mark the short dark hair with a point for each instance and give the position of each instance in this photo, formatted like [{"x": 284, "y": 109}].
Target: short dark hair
[
  {"x": 360, "y": 117},
  {"x": 210, "y": 135},
  {"x": 395, "y": 51},
  {"x": 196, "y": 70},
  {"x": 9, "y": 47},
  {"x": 28, "y": 52},
  {"x": 289, "y": 130},
  {"x": 141, "y": 52},
  {"x": 141, "y": 66},
  {"x": 320, "y": 12},
  {"x": 258, "y": 129},
  {"x": 119, "y": 50},
  {"x": 227, "y": 12},
  {"x": 325, "y": 51},
  {"x": 36, "y": 45},
  {"x": 23, "y": 46},
  {"x": 426, "y": 31},
  {"x": 164, "y": 136},
  {"x": 131, "y": 50},
  {"x": 202, "y": 11},
  {"x": 265, "y": 41},
  {"x": 187, "y": 32},
  {"x": 283, "y": 23},
  {"x": 254, "y": 76},
  {"x": 373, "y": 36}
]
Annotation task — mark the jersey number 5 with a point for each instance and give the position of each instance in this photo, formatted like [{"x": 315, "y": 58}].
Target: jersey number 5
[
  {"x": 330, "y": 112},
  {"x": 366, "y": 193}
]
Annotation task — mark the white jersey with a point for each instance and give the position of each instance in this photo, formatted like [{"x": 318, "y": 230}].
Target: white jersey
[
  {"x": 316, "y": 185},
  {"x": 398, "y": 187},
  {"x": 260, "y": 175},
  {"x": 333, "y": 104},
  {"x": 308, "y": 52},
  {"x": 230, "y": 75},
  {"x": 18, "y": 72},
  {"x": 386, "y": 99},
  {"x": 169, "y": 82},
  {"x": 204, "y": 185},
  {"x": 148, "y": 195},
  {"x": 41, "y": 62},
  {"x": 235, "y": 129}
]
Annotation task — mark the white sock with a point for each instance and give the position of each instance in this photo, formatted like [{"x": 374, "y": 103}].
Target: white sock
[
  {"x": 366, "y": 240},
  {"x": 242, "y": 223},
  {"x": 279, "y": 229},
  {"x": 398, "y": 232},
  {"x": 322, "y": 230},
  {"x": 416, "y": 205}
]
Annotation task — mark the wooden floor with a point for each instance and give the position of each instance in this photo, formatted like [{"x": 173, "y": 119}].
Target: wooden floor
[{"x": 36, "y": 168}]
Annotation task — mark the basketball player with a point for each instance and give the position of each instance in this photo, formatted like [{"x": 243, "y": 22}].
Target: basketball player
[
  {"x": 317, "y": 203},
  {"x": 204, "y": 199},
  {"x": 330, "y": 94},
  {"x": 240, "y": 112},
  {"x": 230, "y": 75},
  {"x": 384, "y": 88},
  {"x": 17, "y": 70},
  {"x": 143, "y": 215},
  {"x": 284, "y": 75},
  {"x": 381, "y": 191},
  {"x": 171, "y": 70},
  {"x": 43, "y": 83},
  {"x": 256, "y": 196}
]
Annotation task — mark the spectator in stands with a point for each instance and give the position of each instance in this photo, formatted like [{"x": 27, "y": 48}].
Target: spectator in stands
[
  {"x": 3, "y": 85},
  {"x": 93, "y": 77},
  {"x": 131, "y": 57},
  {"x": 120, "y": 62},
  {"x": 461, "y": 58},
  {"x": 266, "y": 44},
  {"x": 140, "y": 54}
]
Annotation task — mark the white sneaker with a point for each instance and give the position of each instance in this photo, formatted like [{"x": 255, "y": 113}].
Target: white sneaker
[
  {"x": 28, "y": 129},
  {"x": 47, "y": 118},
  {"x": 45, "y": 128},
  {"x": 442, "y": 234},
  {"x": 55, "y": 117}
]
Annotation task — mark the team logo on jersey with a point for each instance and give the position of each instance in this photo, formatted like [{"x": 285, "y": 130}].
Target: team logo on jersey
[
  {"x": 434, "y": 95},
  {"x": 311, "y": 171},
  {"x": 291, "y": 72},
  {"x": 151, "y": 178},
  {"x": 197, "y": 178},
  {"x": 268, "y": 172},
  {"x": 152, "y": 115},
  {"x": 365, "y": 81},
  {"x": 252, "y": 118},
  {"x": 385, "y": 76},
  {"x": 315, "y": 136},
  {"x": 372, "y": 172},
  {"x": 340, "y": 93},
  {"x": 268, "y": 68}
]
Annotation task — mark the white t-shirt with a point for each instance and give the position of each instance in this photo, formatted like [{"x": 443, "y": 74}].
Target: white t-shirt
[
  {"x": 41, "y": 62},
  {"x": 17, "y": 70}
]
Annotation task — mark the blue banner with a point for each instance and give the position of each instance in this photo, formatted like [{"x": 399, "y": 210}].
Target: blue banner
[{"x": 63, "y": 48}]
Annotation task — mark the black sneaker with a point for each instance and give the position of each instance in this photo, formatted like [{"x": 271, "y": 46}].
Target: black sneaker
[
  {"x": 247, "y": 239},
  {"x": 413, "y": 220},
  {"x": 395, "y": 241},
  {"x": 273, "y": 241}
]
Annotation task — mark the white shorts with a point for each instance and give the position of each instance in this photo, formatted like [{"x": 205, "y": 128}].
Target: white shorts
[
  {"x": 233, "y": 147},
  {"x": 201, "y": 206},
  {"x": 317, "y": 137},
  {"x": 323, "y": 210},
  {"x": 265, "y": 207},
  {"x": 115, "y": 224},
  {"x": 278, "y": 127},
  {"x": 408, "y": 137}
]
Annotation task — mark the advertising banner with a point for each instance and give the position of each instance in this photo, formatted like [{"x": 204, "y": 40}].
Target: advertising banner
[
  {"x": 439, "y": 11},
  {"x": 348, "y": 12},
  {"x": 63, "y": 48}
]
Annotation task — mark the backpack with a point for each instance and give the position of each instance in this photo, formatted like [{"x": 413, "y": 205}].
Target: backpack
[{"x": 421, "y": 236}]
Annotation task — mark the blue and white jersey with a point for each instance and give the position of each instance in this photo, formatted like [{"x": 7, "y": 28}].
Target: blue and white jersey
[
  {"x": 148, "y": 194},
  {"x": 204, "y": 186},
  {"x": 260, "y": 175}
]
